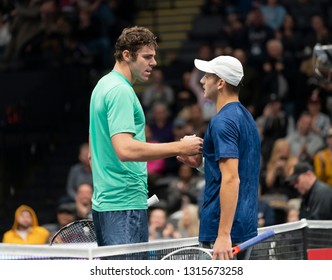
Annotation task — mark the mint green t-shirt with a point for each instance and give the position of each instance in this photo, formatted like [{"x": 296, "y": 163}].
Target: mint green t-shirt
[{"x": 115, "y": 108}]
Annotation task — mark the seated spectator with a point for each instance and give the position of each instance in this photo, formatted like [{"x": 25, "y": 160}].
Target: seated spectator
[
  {"x": 277, "y": 170},
  {"x": 318, "y": 33},
  {"x": 320, "y": 121},
  {"x": 183, "y": 189},
  {"x": 303, "y": 10},
  {"x": 290, "y": 37},
  {"x": 274, "y": 13},
  {"x": 65, "y": 214},
  {"x": 193, "y": 114},
  {"x": 316, "y": 195},
  {"x": 188, "y": 224},
  {"x": 160, "y": 122},
  {"x": 159, "y": 226},
  {"x": 157, "y": 92},
  {"x": 83, "y": 201},
  {"x": 323, "y": 161},
  {"x": 251, "y": 91},
  {"x": 25, "y": 25},
  {"x": 233, "y": 31},
  {"x": 38, "y": 32},
  {"x": 303, "y": 142},
  {"x": 88, "y": 30},
  {"x": 79, "y": 173},
  {"x": 26, "y": 229},
  {"x": 205, "y": 52},
  {"x": 279, "y": 71},
  {"x": 256, "y": 35},
  {"x": 273, "y": 124},
  {"x": 184, "y": 96}
]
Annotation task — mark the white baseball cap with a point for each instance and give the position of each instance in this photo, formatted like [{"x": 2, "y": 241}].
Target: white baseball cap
[{"x": 225, "y": 67}]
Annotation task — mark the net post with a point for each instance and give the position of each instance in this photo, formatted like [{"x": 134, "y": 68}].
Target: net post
[{"x": 305, "y": 242}]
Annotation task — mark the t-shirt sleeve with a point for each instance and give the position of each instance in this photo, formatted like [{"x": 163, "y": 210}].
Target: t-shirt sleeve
[
  {"x": 225, "y": 135},
  {"x": 120, "y": 110}
]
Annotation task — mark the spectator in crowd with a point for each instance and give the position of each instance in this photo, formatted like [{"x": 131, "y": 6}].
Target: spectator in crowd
[
  {"x": 83, "y": 201},
  {"x": 316, "y": 195},
  {"x": 257, "y": 34},
  {"x": 318, "y": 33},
  {"x": 205, "y": 52},
  {"x": 278, "y": 74},
  {"x": 26, "y": 229},
  {"x": 188, "y": 224},
  {"x": 273, "y": 13},
  {"x": 181, "y": 128},
  {"x": 323, "y": 161},
  {"x": 160, "y": 122},
  {"x": 291, "y": 38},
  {"x": 303, "y": 10},
  {"x": 159, "y": 226},
  {"x": 183, "y": 189},
  {"x": 193, "y": 114},
  {"x": 24, "y": 26},
  {"x": 277, "y": 170},
  {"x": 251, "y": 91},
  {"x": 88, "y": 31},
  {"x": 65, "y": 214},
  {"x": 320, "y": 121},
  {"x": 79, "y": 172},
  {"x": 303, "y": 142},
  {"x": 157, "y": 92},
  {"x": 233, "y": 32},
  {"x": 38, "y": 31},
  {"x": 184, "y": 96},
  {"x": 273, "y": 124}
]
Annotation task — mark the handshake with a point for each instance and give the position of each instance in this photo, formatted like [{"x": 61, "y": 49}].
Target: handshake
[{"x": 192, "y": 145}]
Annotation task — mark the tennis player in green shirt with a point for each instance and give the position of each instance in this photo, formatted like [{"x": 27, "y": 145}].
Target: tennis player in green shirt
[{"x": 118, "y": 148}]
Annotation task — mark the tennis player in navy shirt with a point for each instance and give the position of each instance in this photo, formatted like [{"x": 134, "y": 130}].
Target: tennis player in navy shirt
[{"x": 230, "y": 161}]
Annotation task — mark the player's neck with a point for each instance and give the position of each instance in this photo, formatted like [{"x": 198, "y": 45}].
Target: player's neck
[
  {"x": 223, "y": 100},
  {"x": 124, "y": 70}
]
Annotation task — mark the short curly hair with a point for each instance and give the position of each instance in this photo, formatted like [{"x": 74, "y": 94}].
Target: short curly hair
[{"x": 133, "y": 39}]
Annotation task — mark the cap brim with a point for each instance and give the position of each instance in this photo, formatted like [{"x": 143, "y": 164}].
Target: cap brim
[
  {"x": 203, "y": 65},
  {"x": 291, "y": 179}
]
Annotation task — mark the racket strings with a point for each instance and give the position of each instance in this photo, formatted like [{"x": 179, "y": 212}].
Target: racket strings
[
  {"x": 81, "y": 231},
  {"x": 189, "y": 253}
]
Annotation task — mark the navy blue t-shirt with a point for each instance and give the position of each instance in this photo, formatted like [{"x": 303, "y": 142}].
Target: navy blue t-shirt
[{"x": 232, "y": 133}]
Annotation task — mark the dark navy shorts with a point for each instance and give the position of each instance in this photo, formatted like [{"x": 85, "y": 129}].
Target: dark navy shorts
[{"x": 121, "y": 227}]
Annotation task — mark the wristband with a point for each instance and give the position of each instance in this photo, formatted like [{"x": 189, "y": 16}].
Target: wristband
[{"x": 201, "y": 167}]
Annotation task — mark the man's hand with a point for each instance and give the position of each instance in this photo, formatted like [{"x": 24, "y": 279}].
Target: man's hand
[
  {"x": 222, "y": 248},
  {"x": 192, "y": 145},
  {"x": 192, "y": 161}
]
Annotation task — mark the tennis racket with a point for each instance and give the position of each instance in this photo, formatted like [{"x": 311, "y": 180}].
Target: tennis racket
[
  {"x": 78, "y": 232},
  {"x": 197, "y": 253},
  {"x": 83, "y": 231}
]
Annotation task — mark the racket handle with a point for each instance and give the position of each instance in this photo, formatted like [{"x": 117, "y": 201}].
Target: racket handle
[
  {"x": 153, "y": 200},
  {"x": 252, "y": 241}
]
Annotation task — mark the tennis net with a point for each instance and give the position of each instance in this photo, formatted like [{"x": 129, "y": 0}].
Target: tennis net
[{"x": 291, "y": 242}]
